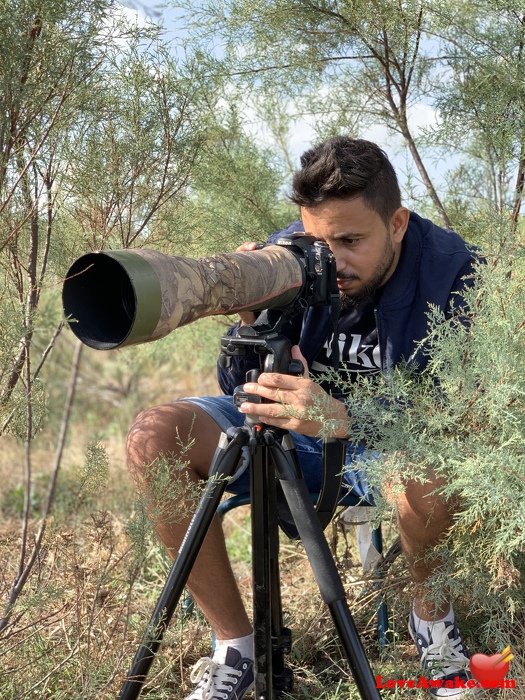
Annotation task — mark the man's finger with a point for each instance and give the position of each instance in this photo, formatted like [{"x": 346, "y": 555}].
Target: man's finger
[{"x": 248, "y": 245}]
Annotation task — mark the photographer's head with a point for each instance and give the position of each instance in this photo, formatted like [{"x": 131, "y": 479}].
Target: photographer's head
[
  {"x": 343, "y": 168},
  {"x": 349, "y": 197}
]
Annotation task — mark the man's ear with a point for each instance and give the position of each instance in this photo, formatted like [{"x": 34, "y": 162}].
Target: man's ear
[{"x": 399, "y": 223}]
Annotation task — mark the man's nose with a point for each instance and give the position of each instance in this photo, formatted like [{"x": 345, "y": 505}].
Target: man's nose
[{"x": 340, "y": 262}]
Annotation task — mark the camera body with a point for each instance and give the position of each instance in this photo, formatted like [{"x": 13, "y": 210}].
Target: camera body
[{"x": 319, "y": 265}]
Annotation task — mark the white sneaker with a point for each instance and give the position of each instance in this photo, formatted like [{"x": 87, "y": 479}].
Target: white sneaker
[
  {"x": 446, "y": 660},
  {"x": 228, "y": 681}
]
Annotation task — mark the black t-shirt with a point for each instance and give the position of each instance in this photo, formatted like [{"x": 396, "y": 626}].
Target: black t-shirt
[{"x": 358, "y": 346}]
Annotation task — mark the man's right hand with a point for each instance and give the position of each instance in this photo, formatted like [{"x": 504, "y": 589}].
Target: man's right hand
[{"x": 247, "y": 317}]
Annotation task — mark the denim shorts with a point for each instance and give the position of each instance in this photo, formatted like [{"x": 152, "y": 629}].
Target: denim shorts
[{"x": 309, "y": 452}]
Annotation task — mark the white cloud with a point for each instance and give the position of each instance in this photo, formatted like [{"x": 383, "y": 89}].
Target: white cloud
[
  {"x": 116, "y": 26},
  {"x": 132, "y": 13},
  {"x": 302, "y": 137},
  {"x": 421, "y": 116}
]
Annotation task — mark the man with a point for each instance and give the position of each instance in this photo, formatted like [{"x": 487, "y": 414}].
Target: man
[{"x": 391, "y": 264}]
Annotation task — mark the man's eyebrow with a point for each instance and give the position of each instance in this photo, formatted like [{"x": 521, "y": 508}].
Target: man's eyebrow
[{"x": 349, "y": 234}]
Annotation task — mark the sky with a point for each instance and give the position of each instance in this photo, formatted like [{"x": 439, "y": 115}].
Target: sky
[{"x": 302, "y": 136}]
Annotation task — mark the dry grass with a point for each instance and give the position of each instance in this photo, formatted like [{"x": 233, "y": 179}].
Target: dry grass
[
  {"x": 77, "y": 626},
  {"x": 79, "y": 622}
]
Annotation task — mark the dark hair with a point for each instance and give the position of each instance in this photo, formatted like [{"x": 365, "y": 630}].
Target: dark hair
[{"x": 342, "y": 168}]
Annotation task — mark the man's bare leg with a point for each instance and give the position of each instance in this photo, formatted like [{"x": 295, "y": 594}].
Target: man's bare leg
[
  {"x": 160, "y": 432},
  {"x": 423, "y": 521}
]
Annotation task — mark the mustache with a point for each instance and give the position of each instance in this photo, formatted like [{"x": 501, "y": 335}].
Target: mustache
[{"x": 347, "y": 276}]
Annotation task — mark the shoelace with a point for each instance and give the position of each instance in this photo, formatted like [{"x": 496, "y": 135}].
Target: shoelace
[
  {"x": 213, "y": 680},
  {"x": 445, "y": 650}
]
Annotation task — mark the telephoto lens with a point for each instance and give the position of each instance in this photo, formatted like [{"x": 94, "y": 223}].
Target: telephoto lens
[{"x": 117, "y": 298}]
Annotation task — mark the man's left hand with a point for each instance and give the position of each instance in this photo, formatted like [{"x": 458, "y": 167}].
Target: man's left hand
[{"x": 290, "y": 400}]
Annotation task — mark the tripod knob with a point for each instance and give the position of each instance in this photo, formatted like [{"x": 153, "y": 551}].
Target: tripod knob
[
  {"x": 296, "y": 368},
  {"x": 253, "y": 375},
  {"x": 225, "y": 361}
]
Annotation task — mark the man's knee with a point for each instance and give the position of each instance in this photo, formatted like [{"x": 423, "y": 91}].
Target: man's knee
[{"x": 170, "y": 431}]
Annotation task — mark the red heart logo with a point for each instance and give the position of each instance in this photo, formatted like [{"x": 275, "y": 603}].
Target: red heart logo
[{"x": 488, "y": 668}]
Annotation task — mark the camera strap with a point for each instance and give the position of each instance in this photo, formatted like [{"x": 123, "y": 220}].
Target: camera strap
[{"x": 334, "y": 457}]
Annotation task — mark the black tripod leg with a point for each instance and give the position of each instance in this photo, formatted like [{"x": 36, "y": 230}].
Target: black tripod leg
[
  {"x": 282, "y": 676},
  {"x": 271, "y": 639},
  {"x": 262, "y": 594},
  {"x": 322, "y": 563},
  {"x": 223, "y": 466}
]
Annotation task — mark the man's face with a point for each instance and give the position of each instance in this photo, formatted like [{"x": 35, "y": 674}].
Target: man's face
[{"x": 365, "y": 248}]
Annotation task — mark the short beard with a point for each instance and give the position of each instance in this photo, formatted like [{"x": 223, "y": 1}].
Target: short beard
[
  {"x": 368, "y": 290},
  {"x": 364, "y": 295}
]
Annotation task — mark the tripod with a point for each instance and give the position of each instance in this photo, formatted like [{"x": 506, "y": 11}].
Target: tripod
[{"x": 273, "y": 464}]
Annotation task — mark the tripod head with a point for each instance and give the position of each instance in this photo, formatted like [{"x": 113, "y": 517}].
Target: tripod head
[
  {"x": 263, "y": 338},
  {"x": 273, "y": 347}
]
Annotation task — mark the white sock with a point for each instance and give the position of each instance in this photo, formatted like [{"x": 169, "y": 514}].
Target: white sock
[
  {"x": 424, "y": 627},
  {"x": 244, "y": 646}
]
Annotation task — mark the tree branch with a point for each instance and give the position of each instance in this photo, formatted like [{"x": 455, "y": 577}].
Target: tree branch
[{"x": 25, "y": 567}]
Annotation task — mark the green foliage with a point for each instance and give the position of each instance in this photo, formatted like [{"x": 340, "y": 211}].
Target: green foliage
[
  {"x": 167, "y": 495},
  {"x": 235, "y": 194},
  {"x": 141, "y": 134},
  {"x": 94, "y": 474},
  {"x": 483, "y": 106}
]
